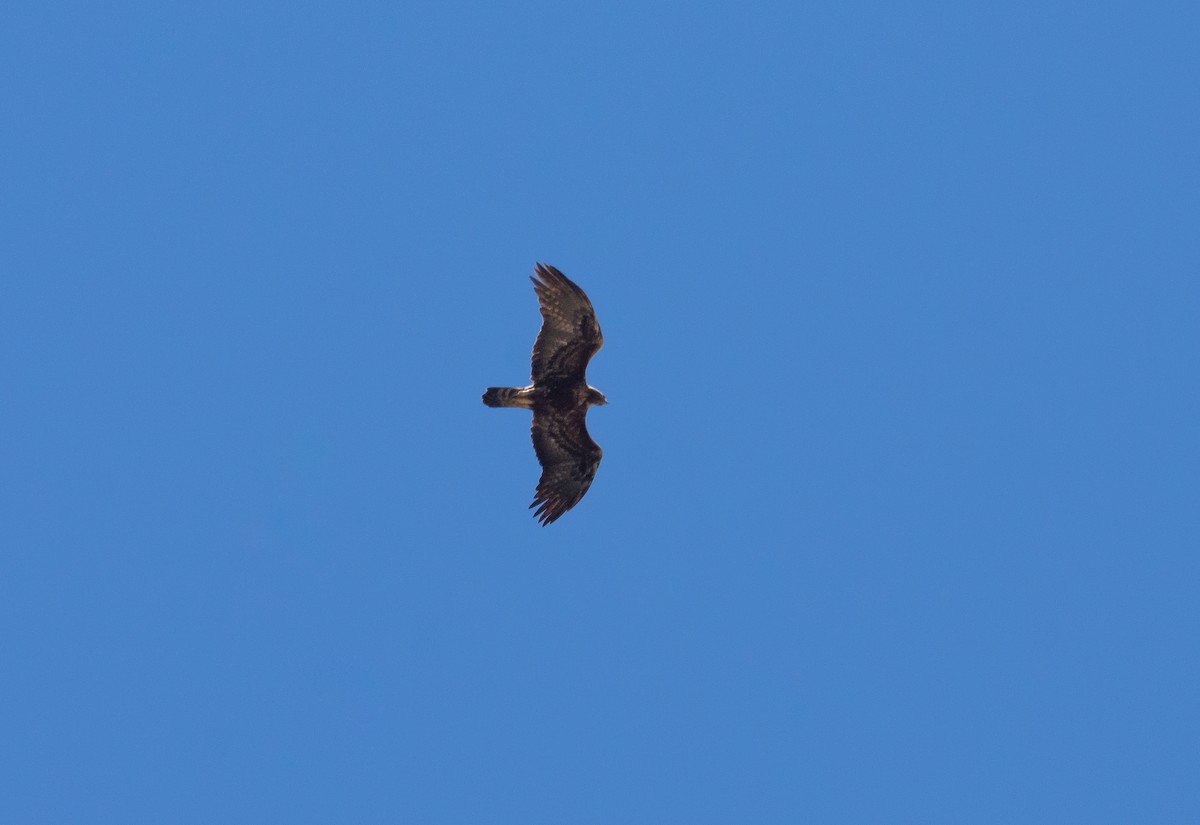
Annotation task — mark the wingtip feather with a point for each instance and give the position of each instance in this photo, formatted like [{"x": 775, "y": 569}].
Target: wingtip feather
[{"x": 553, "y": 281}]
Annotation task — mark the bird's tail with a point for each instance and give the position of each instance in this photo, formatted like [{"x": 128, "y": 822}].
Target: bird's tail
[{"x": 508, "y": 397}]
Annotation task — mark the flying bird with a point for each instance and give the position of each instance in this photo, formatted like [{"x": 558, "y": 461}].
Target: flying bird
[{"x": 559, "y": 395}]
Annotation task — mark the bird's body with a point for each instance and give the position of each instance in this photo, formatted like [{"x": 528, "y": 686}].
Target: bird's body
[
  {"x": 533, "y": 396},
  {"x": 559, "y": 395}
]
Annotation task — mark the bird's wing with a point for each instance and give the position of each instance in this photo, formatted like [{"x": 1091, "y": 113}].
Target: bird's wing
[
  {"x": 569, "y": 336},
  {"x": 569, "y": 460}
]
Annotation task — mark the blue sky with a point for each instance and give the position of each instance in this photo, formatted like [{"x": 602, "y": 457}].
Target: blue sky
[{"x": 897, "y": 520}]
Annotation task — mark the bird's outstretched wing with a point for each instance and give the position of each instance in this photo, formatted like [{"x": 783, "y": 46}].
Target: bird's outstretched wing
[
  {"x": 569, "y": 460},
  {"x": 569, "y": 336}
]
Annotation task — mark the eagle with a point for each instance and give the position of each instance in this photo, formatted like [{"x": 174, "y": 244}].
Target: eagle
[{"x": 559, "y": 395}]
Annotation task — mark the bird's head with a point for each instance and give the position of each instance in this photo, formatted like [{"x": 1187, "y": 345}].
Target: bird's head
[{"x": 595, "y": 397}]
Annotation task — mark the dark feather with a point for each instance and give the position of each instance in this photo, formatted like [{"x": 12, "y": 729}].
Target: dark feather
[
  {"x": 569, "y": 336},
  {"x": 569, "y": 460}
]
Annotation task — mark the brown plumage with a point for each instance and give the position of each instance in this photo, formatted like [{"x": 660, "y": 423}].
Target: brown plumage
[{"x": 559, "y": 395}]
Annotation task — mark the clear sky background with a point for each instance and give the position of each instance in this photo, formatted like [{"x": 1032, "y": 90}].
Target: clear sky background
[{"x": 897, "y": 520}]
